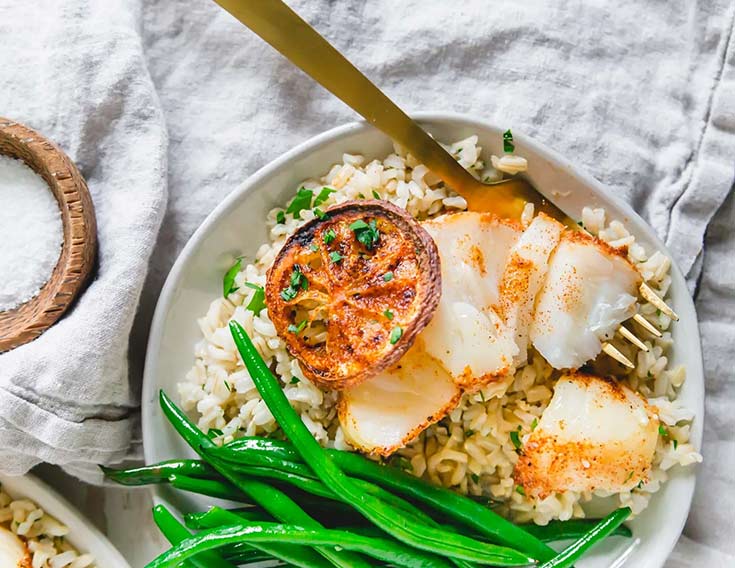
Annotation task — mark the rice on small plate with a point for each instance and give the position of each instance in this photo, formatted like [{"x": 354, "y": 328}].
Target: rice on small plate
[
  {"x": 56, "y": 535},
  {"x": 471, "y": 450},
  {"x": 43, "y": 535}
]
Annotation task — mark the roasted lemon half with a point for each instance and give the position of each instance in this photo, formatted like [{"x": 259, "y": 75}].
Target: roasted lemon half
[{"x": 349, "y": 291}]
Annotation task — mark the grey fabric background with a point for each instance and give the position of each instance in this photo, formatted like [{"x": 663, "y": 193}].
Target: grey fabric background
[{"x": 640, "y": 93}]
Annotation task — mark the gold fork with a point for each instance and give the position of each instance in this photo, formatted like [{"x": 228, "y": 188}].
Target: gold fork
[{"x": 284, "y": 30}]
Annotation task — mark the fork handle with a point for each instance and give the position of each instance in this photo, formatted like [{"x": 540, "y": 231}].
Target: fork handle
[{"x": 284, "y": 30}]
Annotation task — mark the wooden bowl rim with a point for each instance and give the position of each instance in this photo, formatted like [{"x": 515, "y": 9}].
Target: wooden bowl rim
[{"x": 76, "y": 260}]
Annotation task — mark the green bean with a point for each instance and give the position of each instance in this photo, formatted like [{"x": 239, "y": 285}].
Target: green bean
[
  {"x": 571, "y": 529},
  {"x": 386, "y": 517},
  {"x": 456, "y": 507},
  {"x": 160, "y": 472},
  {"x": 599, "y": 532},
  {"x": 379, "y": 548},
  {"x": 199, "y": 521},
  {"x": 275, "y": 502},
  {"x": 175, "y": 533},
  {"x": 316, "y": 487},
  {"x": 208, "y": 487}
]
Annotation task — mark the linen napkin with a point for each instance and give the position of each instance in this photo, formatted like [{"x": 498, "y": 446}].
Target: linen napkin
[
  {"x": 76, "y": 71},
  {"x": 641, "y": 93}
]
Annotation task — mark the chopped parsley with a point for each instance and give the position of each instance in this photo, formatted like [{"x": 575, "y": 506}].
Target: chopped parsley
[
  {"x": 376, "y": 195},
  {"x": 516, "y": 439},
  {"x": 328, "y": 236},
  {"x": 676, "y": 443},
  {"x": 298, "y": 280},
  {"x": 335, "y": 257},
  {"x": 640, "y": 484},
  {"x": 520, "y": 490},
  {"x": 323, "y": 195},
  {"x": 281, "y": 217},
  {"x": 319, "y": 213},
  {"x": 257, "y": 302},
  {"x": 313, "y": 247},
  {"x": 214, "y": 433},
  {"x": 658, "y": 313},
  {"x": 662, "y": 431},
  {"x": 361, "y": 195},
  {"x": 388, "y": 276},
  {"x": 469, "y": 433},
  {"x": 534, "y": 424},
  {"x": 630, "y": 476},
  {"x": 227, "y": 385},
  {"x": 475, "y": 477},
  {"x": 401, "y": 463},
  {"x": 366, "y": 233},
  {"x": 388, "y": 314},
  {"x": 228, "y": 281},
  {"x": 294, "y": 381},
  {"x": 396, "y": 334},
  {"x": 296, "y": 329},
  {"x": 300, "y": 202},
  {"x": 508, "y": 146}
]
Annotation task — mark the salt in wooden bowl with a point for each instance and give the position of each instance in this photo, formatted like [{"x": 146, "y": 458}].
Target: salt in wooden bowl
[{"x": 29, "y": 320}]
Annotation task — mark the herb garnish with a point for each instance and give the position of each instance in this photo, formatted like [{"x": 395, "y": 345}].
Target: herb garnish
[
  {"x": 366, "y": 233},
  {"x": 214, "y": 433},
  {"x": 335, "y": 257},
  {"x": 298, "y": 280},
  {"x": 508, "y": 146},
  {"x": 662, "y": 431},
  {"x": 294, "y": 381},
  {"x": 396, "y": 334},
  {"x": 228, "y": 281},
  {"x": 388, "y": 276},
  {"x": 323, "y": 195},
  {"x": 388, "y": 314},
  {"x": 516, "y": 439},
  {"x": 676, "y": 443},
  {"x": 469, "y": 433},
  {"x": 296, "y": 329},
  {"x": 281, "y": 217},
  {"x": 376, "y": 195},
  {"x": 313, "y": 247},
  {"x": 328, "y": 236},
  {"x": 319, "y": 213},
  {"x": 257, "y": 302},
  {"x": 402, "y": 463},
  {"x": 534, "y": 424},
  {"x": 520, "y": 490},
  {"x": 475, "y": 477},
  {"x": 300, "y": 202},
  {"x": 227, "y": 385}
]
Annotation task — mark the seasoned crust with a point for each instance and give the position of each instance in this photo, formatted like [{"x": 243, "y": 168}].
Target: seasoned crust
[{"x": 347, "y": 337}]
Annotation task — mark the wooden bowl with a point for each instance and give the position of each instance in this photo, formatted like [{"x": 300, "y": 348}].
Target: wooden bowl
[{"x": 31, "y": 319}]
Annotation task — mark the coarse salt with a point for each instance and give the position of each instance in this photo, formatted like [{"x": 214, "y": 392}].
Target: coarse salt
[{"x": 31, "y": 233}]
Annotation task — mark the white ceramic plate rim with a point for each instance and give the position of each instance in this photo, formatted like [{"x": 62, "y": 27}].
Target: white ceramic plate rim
[
  {"x": 638, "y": 226},
  {"x": 82, "y": 534}
]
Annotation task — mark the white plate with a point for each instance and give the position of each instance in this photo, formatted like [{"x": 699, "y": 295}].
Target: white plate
[
  {"x": 237, "y": 227},
  {"x": 82, "y": 534}
]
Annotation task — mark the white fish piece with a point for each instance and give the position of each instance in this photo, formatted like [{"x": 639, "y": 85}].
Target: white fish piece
[
  {"x": 595, "y": 435},
  {"x": 524, "y": 276},
  {"x": 590, "y": 290},
  {"x": 13, "y": 551},
  {"x": 388, "y": 411},
  {"x": 467, "y": 334}
]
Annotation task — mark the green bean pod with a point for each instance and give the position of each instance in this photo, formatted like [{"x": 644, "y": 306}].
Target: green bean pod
[
  {"x": 160, "y": 472},
  {"x": 383, "y": 549},
  {"x": 176, "y": 533},
  {"x": 386, "y": 517},
  {"x": 567, "y": 557},
  {"x": 571, "y": 529}
]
